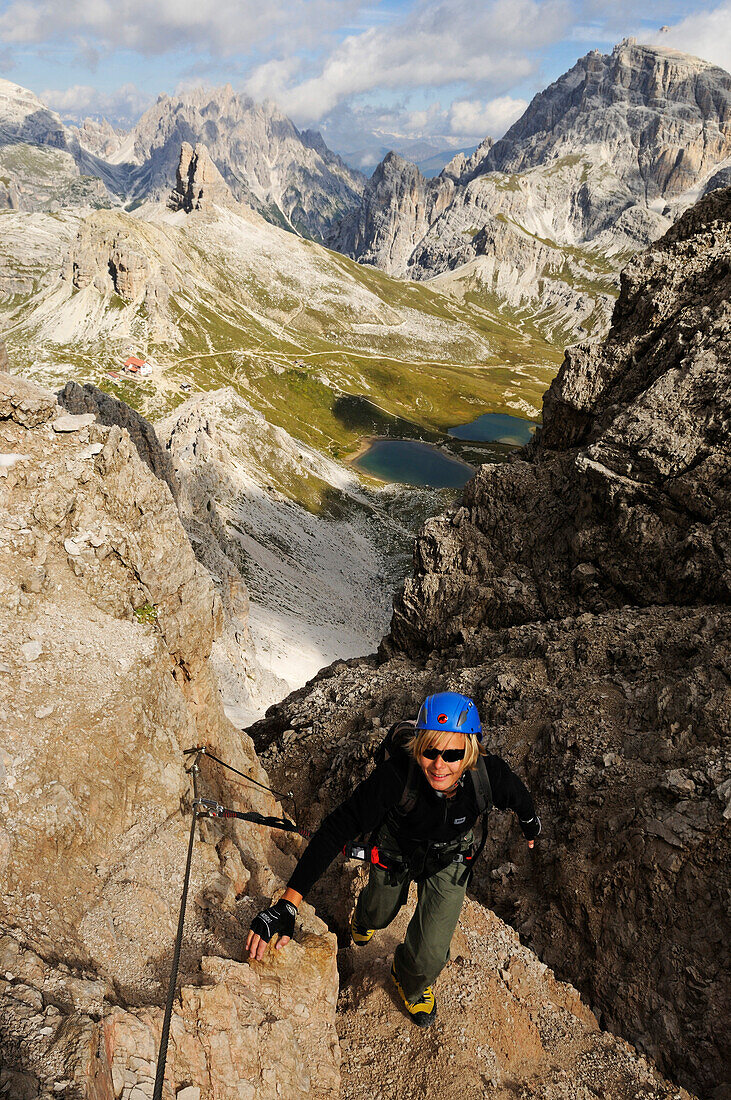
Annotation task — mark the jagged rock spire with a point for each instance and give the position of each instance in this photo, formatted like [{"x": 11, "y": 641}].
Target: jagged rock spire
[{"x": 199, "y": 185}]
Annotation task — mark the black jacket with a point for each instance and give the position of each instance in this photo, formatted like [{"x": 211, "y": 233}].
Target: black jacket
[{"x": 434, "y": 818}]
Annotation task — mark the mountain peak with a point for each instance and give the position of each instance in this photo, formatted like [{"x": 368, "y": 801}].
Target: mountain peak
[
  {"x": 291, "y": 179},
  {"x": 625, "y": 106},
  {"x": 199, "y": 184},
  {"x": 392, "y": 158},
  {"x": 24, "y": 117}
]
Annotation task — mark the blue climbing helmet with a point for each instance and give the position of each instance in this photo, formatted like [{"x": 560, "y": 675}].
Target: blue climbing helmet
[{"x": 451, "y": 712}]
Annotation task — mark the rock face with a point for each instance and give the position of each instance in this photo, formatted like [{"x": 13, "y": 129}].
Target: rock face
[
  {"x": 109, "y": 410},
  {"x": 288, "y": 176},
  {"x": 631, "y": 467},
  {"x": 312, "y": 544},
  {"x": 628, "y": 103},
  {"x": 42, "y": 164},
  {"x": 108, "y": 621},
  {"x": 581, "y": 595},
  {"x": 624, "y": 502},
  {"x": 506, "y": 1027},
  {"x": 115, "y": 257},
  {"x": 99, "y": 137},
  {"x": 199, "y": 185},
  {"x": 109, "y": 262},
  {"x": 599, "y": 164},
  {"x": 292, "y": 178},
  {"x": 24, "y": 118},
  {"x": 398, "y": 208}
]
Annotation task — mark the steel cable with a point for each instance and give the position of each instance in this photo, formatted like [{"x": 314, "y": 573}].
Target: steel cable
[{"x": 163, "y": 1053}]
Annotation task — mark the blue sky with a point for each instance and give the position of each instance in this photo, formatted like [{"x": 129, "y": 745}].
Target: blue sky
[{"x": 444, "y": 72}]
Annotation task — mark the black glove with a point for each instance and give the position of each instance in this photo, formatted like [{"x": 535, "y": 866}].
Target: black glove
[
  {"x": 531, "y": 828},
  {"x": 276, "y": 920}
]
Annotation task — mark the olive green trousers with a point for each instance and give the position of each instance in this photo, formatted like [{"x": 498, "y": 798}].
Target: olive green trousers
[{"x": 425, "y": 950}]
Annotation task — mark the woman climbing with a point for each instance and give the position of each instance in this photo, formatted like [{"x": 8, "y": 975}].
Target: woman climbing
[{"x": 418, "y": 807}]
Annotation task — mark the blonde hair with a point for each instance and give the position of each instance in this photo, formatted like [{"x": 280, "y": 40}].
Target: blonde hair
[{"x": 437, "y": 739}]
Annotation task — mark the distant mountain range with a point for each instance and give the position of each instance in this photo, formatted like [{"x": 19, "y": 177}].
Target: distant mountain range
[
  {"x": 288, "y": 176},
  {"x": 600, "y": 164},
  {"x": 429, "y": 155}
]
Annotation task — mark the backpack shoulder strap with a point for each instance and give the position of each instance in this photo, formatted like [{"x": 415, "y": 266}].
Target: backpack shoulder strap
[
  {"x": 394, "y": 742},
  {"x": 481, "y": 783},
  {"x": 410, "y": 792},
  {"x": 483, "y": 794},
  {"x": 396, "y": 735}
]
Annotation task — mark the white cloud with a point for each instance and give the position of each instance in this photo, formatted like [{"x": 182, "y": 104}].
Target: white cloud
[
  {"x": 437, "y": 42},
  {"x": 220, "y": 27},
  {"x": 706, "y": 34},
  {"x": 365, "y": 133},
  {"x": 271, "y": 76},
  {"x": 121, "y": 107},
  {"x": 473, "y": 118}
]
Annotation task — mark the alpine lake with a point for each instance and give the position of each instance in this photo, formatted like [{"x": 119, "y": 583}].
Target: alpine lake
[{"x": 413, "y": 462}]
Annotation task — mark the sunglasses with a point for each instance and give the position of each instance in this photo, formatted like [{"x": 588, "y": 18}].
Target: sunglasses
[{"x": 449, "y": 756}]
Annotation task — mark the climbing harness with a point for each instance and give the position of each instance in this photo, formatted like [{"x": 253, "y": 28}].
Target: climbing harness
[
  {"x": 207, "y": 808},
  {"x": 367, "y": 850}
]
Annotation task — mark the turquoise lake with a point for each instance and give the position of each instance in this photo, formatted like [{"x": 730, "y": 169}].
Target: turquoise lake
[
  {"x": 497, "y": 428},
  {"x": 412, "y": 463}
]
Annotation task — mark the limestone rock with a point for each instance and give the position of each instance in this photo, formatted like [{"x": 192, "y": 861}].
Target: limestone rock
[
  {"x": 398, "y": 208},
  {"x": 634, "y": 90},
  {"x": 580, "y": 594},
  {"x": 109, "y": 261},
  {"x": 504, "y": 1024},
  {"x": 600, "y": 163},
  {"x": 107, "y": 626},
  {"x": 23, "y": 401},
  {"x": 40, "y": 160},
  {"x": 25, "y": 118},
  {"x": 631, "y": 467},
  {"x": 72, "y": 423},
  {"x": 199, "y": 184},
  {"x": 98, "y": 137},
  {"x": 129, "y": 265},
  {"x": 109, "y": 410},
  {"x": 289, "y": 176}
]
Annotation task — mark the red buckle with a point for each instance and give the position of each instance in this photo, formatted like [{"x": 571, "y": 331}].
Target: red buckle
[{"x": 376, "y": 858}]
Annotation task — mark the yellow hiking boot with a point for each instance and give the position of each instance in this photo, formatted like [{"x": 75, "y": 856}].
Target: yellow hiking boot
[
  {"x": 358, "y": 935},
  {"x": 423, "y": 1009}
]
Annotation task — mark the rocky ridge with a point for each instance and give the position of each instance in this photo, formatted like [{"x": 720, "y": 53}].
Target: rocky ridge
[
  {"x": 288, "y": 176},
  {"x": 43, "y": 165},
  {"x": 108, "y": 410},
  {"x": 580, "y": 594},
  {"x": 118, "y": 263},
  {"x": 104, "y": 679},
  {"x": 99, "y": 137},
  {"x": 297, "y": 586},
  {"x": 661, "y": 118}
]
